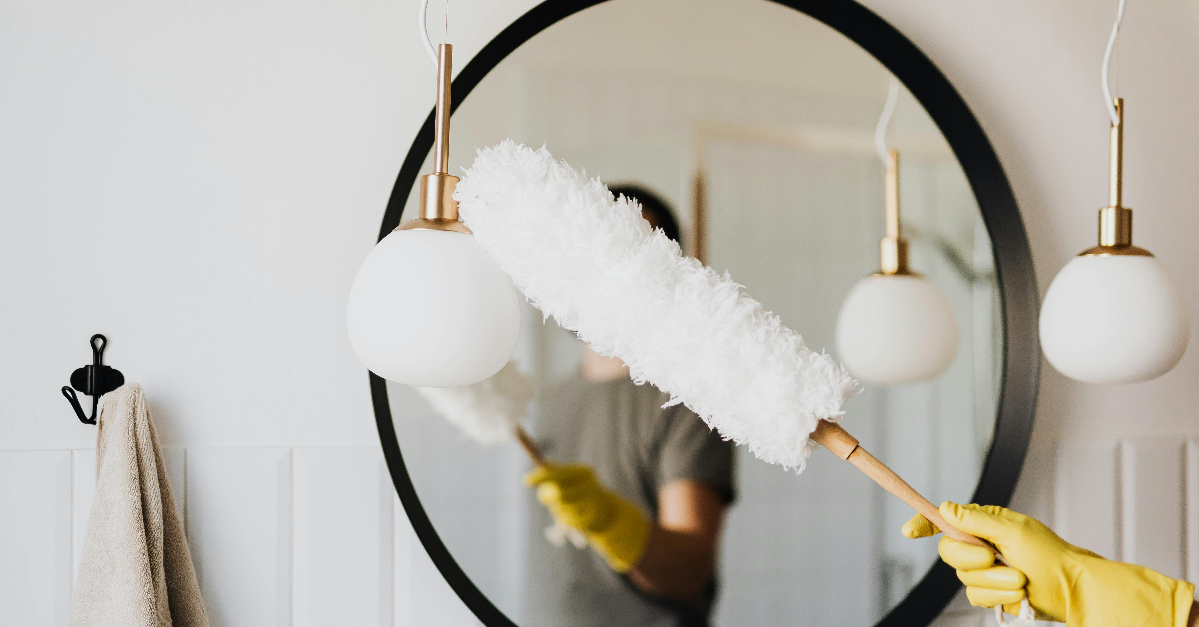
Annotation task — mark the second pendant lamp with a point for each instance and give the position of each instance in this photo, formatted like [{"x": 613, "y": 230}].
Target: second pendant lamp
[
  {"x": 895, "y": 326},
  {"x": 429, "y": 307},
  {"x": 1114, "y": 314}
]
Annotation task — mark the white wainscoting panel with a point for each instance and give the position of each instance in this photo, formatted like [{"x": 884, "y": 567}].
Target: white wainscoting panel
[
  {"x": 1153, "y": 504},
  {"x": 316, "y": 536},
  {"x": 404, "y": 545},
  {"x": 35, "y": 537},
  {"x": 1192, "y": 511},
  {"x": 239, "y": 525},
  {"x": 84, "y": 493},
  {"x": 422, "y": 595},
  {"x": 343, "y": 538},
  {"x": 1035, "y": 490},
  {"x": 1086, "y": 494}
]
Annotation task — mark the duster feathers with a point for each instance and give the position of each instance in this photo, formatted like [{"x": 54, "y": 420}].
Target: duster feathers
[
  {"x": 597, "y": 267},
  {"x": 488, "y": 411}
]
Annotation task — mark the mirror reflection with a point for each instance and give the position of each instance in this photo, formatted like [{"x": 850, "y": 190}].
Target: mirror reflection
[{"x": 746, "y": 131}]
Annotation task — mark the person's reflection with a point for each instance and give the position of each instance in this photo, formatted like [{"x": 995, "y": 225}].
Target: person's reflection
[{"x": 620, "y": 442}]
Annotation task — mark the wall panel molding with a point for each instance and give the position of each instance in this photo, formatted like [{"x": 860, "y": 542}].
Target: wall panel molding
[
  {"x": 83, "y": 493},
  {"x": 1192, "y": 510},
  {"x": 1087, "y": 495},
  {"x": 316, "y": 537},
  {"x": 35, "y": 537},
  {"x": 1153, "y": 504},
  {"x": 343, "y": 538},
  {"x": 239, "y": 521}
]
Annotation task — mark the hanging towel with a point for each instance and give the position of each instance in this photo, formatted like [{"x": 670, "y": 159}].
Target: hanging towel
[{"x": 136, "y": 570}]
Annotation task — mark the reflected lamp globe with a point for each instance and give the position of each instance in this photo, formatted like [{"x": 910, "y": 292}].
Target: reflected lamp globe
[
  {"x": 896, "y": 326},
  {"x": 429, "y": 307},
  {"x": 896, "y": 329}
]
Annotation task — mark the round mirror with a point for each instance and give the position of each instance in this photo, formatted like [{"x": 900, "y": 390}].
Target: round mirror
[{"x": 746, "y": 129}]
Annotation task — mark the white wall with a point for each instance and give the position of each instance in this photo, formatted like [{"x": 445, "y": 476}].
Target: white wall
[
  {"x": 222, "y": 168},
  {"x": 280, "y": 536},
  {"x": 1102, "y": 458}
]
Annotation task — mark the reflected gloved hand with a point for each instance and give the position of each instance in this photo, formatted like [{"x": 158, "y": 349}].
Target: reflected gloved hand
[
  {"x": 616, "y": 528},
  {"x": 1064, "y": 583}
]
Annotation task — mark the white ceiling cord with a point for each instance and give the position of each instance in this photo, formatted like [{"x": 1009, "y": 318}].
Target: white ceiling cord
[
  {"x": 1107, "y": 60},
  {"x": 423, "y": 29},
  {"x": 880, "y": 132}
]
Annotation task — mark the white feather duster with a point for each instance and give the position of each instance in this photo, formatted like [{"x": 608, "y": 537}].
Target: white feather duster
[
  {"x": 488, "y": 411},
  {"x": 597, "y": 267}
]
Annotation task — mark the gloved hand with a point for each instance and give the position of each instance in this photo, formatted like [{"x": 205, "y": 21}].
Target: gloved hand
[
  {"x": 616, "y": 528},
  {"x": 1064, "y": 583}
]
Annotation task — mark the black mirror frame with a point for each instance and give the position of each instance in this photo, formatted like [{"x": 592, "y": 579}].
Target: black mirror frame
[{"x": 1013, "y": 263}]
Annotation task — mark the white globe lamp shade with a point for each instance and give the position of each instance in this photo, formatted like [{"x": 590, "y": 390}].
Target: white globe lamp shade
[
  {"x": 429, "y": 308},
  {"x": 1114, "y": 319},
  {"x": 895, "y": 329}
]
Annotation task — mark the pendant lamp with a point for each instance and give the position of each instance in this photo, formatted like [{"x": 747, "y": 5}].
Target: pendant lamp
[
  {"x": 428, "y": 307},
  {"x": 1114, "y": 314},
  {"x": 895, "y": 326}
]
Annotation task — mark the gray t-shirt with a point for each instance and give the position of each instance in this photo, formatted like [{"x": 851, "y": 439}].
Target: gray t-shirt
[{"x": 636, "y": 447}]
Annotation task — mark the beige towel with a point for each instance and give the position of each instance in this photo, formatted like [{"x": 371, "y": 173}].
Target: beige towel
[{"x": 136, "y": 570}]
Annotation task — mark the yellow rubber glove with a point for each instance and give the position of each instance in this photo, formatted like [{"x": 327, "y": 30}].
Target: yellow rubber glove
[
  {"x": 615, "y": 528},
  {"x": 1064, "y": 583}
]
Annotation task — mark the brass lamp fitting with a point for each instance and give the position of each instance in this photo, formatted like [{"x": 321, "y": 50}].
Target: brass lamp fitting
[
  {"x": 893, "y": 248},
  {"x": 437, "y": 209},
  {"x": 1115, "y": 220}
]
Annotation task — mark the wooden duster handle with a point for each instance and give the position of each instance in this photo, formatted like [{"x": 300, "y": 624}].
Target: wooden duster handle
[
  {"x": 835, "y": 438},
  {"x": 530, "y": 447}
]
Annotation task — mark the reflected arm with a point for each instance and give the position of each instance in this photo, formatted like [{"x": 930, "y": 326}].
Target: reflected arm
[{"x": 680, "y": 558}]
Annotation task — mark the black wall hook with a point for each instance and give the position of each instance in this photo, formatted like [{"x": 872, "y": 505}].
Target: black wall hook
[{"x": 94, "y": 380}]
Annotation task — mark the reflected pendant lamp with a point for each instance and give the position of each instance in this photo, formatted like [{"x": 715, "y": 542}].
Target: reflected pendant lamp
[
  {"x": 1114, "y": 314},
  {"x": 895, "y": 326},
  {"x": 429, "y": 307}
]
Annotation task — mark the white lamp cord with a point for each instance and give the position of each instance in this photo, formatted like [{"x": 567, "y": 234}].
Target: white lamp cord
[
  {"x": 423, "y": 28},
  {"x": 880, "y": 131},
  {"x": 1107, "y": 60}
]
